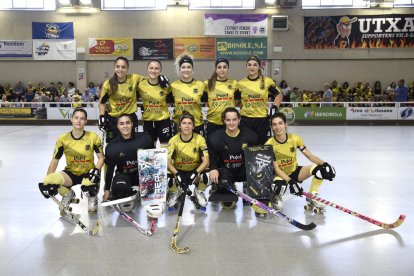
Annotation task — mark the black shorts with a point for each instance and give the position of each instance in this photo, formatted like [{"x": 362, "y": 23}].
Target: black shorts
[
  {"x": 259, "y": 125},
  {"x": 159, "y": 130},
  {"x": 211, "y": 127},
  {"x": 295, "y": 174},
  {"x": 76, "y": 179},
  {"x": 112, "y": 125}
]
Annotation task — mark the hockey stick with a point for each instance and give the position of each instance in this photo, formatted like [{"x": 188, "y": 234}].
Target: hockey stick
[
  {"x": 92, "y": 232},
  {"x": 134, "y": 223},
  {"x": 273, "y": 211},
  {"x": 397, "y": 223},
  {"x": 117, "y": 201},
  {"x": 174, "y": 247}
]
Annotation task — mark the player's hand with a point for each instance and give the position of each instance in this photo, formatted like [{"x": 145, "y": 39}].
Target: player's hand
[
  {"x": 179, "y": 178},
  {"x": 273, "y": 110},
  {"x": 194, "y": 177},
  {"x": 106, "y": 195},
  {"x": 94, "y": 175},
  {"x": 295, "y": 188},
  {"x": 214, "y": 176},
  {"x": 103, "y": 123},
  {"x": 163, "y": 81}
]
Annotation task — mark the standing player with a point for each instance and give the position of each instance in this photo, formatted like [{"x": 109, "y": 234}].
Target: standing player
[
  {"x": 220, "y": 92},
  {"x": 78, "y": 146},
  {"x": 254, "y": 90},
  {"x": 225, "y": 148},
  {"x": 153, "y": 92},
  {"x": 119, "y": 96},
  {"x": 288, "y": 172},
  {"x": 121, "y": 153},
  {"x": 187, "y": 93},
  {"x": 187, "y": 161}
]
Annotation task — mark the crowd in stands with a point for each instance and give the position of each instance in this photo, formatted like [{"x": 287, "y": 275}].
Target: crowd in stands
[{"x": 58, "y": 95}]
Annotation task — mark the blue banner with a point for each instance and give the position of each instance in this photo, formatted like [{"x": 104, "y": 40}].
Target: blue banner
[{"x": 45, "y": 30}]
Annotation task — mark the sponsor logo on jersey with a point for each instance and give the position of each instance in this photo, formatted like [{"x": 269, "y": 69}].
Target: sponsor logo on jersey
[
  {"x": 195, "y": 90},
  {"x": 121, "y": 154},
  {"x": 244, "y": 145},
  {"x": 292, "y": 149}
]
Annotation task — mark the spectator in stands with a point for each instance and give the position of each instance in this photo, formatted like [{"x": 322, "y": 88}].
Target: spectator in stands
[
  {"x": 19, "y": 89},
  {"x": 40, "y": 86},
  {"x": 401, "y": 92},
  {"x": 8, "y": 91},
  {"x": 391, "y": 90},
  {"x": 30, "y": 94},
  {"x": 86, "y": 95},
  {"x": 76, "y": 101},
  {"x": 284, "y": 87},
  {"x": 377, "y": 91},
  {"x": 65, "y": 98},
  {"x": 71, "y": 88},
  {"x": 91, "y": 88},
  {"x": 52, "y": 89},
  {"x": 294, "y": 95},
  {"x": 335, "y": 90},
  {"x": 60, "y": 88},
  {"x": 4, "y": 101},
  {"x": 345, "y": 89},
  {"x": 327, "y": 95}
]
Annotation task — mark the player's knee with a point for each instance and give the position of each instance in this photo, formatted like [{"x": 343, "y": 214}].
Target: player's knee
[{"x": 53, "y": 178}]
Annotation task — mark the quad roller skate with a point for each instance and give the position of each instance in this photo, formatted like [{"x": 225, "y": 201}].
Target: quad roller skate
[
  {"x": 174, "y": 198},
  {"x": 313, "y": 205},
  {"x": 68, "y": 199},
  {"x": 199, "y": 200},
  {"x": 228, "y": 204}
]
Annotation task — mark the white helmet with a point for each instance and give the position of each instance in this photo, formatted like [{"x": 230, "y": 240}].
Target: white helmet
[
  {"x": 127, "y": 206},
  {"x": 154, "y": 210}
]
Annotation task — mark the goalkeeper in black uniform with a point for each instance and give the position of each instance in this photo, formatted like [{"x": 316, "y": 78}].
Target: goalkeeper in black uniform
[
  {"x": 225, "y": 147},
  {"x": 121, "y": 153}
]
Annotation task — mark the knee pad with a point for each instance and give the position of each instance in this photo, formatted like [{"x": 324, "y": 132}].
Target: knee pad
[
  {"x": 55, "y": 181},
  {"x": 90, "y": 190},
  {"x": 205, "y": 178},
  {"x": 53, "y": 178},
  {"x": 121, "y": 186},
  {"x": 323, "y": 171},
  {"x": 280, "y": 186}
]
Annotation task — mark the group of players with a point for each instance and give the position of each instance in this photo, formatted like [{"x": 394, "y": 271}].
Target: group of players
[{"x": 197, "y": 154}]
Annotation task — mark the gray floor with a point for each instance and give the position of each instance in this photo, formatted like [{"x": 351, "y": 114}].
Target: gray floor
[{"x": 374, "y": 177}]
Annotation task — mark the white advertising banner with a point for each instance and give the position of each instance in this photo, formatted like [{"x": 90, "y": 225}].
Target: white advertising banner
[
  {"x": 48, "y": 49},
  {"x": 235, "y": 24},
  {"x": 406, "y": 113},
  {"x": 371, "y": 113},
  {"x": 15, "y": 48},
  {"x": 65, "y": 113}
]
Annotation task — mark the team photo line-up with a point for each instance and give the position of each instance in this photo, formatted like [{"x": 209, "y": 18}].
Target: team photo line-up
[{"x": 237, "y": 118}]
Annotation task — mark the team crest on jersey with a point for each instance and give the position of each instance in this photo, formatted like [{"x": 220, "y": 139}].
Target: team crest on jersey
[
  {"x": 230, "y": 87},
  {"x": 194, "y": 150},
  {"x": 130, "y": 89},
  {"x": 292, "y": 149},
  {"x": 195, "y": 90},
  {"x": 244, "y": 145},
  {"x": 87, "y": 147},
  {"x": 161, "y": 93}
]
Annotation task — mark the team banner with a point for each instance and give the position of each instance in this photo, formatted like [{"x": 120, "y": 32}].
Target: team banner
[
  {"x": 362, "y": 31},
  {"x": 15, "y": 48},
  {"x": 110, "y": 46},
  {"x": 235, "y": 24},
  {"x": 153, "y": 48},
  {"x": 48, "y": 30},
  {"x": 371, "y": 113},
  {"x": 241, "y": 48},
  {"x": 198, "y": 47},
  {"x": 46, "y": 49}
]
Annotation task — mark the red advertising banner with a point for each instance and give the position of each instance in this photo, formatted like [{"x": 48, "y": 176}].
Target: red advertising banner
[
  {"x": 198, "y": 47},
  {"x": 110, "y": 46}
]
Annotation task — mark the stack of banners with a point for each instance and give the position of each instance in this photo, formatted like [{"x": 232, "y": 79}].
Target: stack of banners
[
  {"x": 359, "y": 31},
  {"x": 161, "y": 48},
  {"x": 198, "y": 47},
  {"x": 15, "y": 48},
  {"x": 110, "y": 47},
  {"x": 235, "y": 24},
  {"x": 53, "y": 41}
]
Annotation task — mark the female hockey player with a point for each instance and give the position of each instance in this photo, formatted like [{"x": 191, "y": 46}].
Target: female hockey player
[
  {"x": 118, "y": 96},
  {"x": 225, "y": 148},
  {"x": 78, "y": 146},
  {"x": 220, "y": 91},
  {"x": 289, "y": 173},
  {"x": 254, "y": 91},
  {"x": 187, "y": 161},
  {"x": 153, "y": 92},
  {"x": 187, "y": 93},
  {"x": 121, "y": 154}
]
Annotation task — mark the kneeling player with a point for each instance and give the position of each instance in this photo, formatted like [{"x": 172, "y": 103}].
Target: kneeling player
[
  {"x": 78, "y": 146},
  {"x": 121, "y": 154},
  {"x": 289, "y": 174},
  {"x": 225, "y": 148}
]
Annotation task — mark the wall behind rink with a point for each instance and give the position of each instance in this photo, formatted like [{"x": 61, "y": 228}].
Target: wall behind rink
[{"x": 303, "y": 68}]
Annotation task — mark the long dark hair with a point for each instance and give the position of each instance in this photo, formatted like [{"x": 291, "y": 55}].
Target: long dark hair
[{"x": 113, "y": 81}]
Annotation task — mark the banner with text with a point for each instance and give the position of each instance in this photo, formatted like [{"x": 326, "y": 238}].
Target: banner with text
[
  {"x": 45, "y": 49},
  {"x": 50, "y": 30},
  {"x": 371, "y": 113},
  {"x": 241, "y": 48},
  {"x": 110, "y": 46},
  {"x": 16, "y": 48},
  {"x": 359, "y": 31},
  {"x": 235, "y": 24},
  {"x": 65, "y": 113},
  {"x": 406, "y": 112},
  {"x": 319, "y": 113},
  {"x": 198, "y": 47},
  {"x": 153, "y": 48}
]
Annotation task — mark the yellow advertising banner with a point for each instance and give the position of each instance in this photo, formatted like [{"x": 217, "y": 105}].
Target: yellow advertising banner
[
  {"x": 110, "y": 46},
  {"x": 198, "y": 47}
]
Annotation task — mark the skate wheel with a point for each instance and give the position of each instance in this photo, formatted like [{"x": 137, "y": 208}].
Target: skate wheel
[
  {"x": 306, "y": 207},
  {"x": 228, "y": 204},
  {"x": 203, "y": 209},
  {"x": 316, "y": 210},
  {"x": 75, "y": 201},
  {"x": 70, "y": 209},
  {"x": 171, "y": 209}
]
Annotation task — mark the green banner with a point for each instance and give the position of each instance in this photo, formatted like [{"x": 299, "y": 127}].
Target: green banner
[
  {"x": 314, "y": 113},
  {"x": 241, "y": 48}
]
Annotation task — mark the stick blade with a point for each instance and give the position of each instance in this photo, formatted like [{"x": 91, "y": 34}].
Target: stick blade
[
  {"x": 96, "y": 228},
  {"x": 396, "y": 224},
  {"x": 178, "y": 250}
]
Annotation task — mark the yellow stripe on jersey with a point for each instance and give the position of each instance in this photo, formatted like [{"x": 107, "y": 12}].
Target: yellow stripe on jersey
[
  {"x": 79, "y": 153},
  {"x": 125, "y": 99},
  {"x": 186, "y": 156},
  {"x": 154, "y": 101},
  {"x": 285, "y": 153},
  {"x": 221, "y": 97},
  {"x": 254, "y": 97},
  {"x": 187, "y": 96}
]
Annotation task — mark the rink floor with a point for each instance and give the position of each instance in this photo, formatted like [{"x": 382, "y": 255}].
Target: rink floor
[{"x": 374, "y": 168}]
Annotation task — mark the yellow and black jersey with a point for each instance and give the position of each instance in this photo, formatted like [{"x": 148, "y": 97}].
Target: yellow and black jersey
[
  {"x": 124, "y": 101},
  {"x": 187, "y": 155},
  {"x": 187, "y": 96},
  {"x": 285, "y": 152},
  {"x": 254, "y": 95},
  {"x": 221, "y": 97},
  {"x": 154, "y": 99},
  {"x": 8, "y": 91},
  {"x": 79, "y": 152}
]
